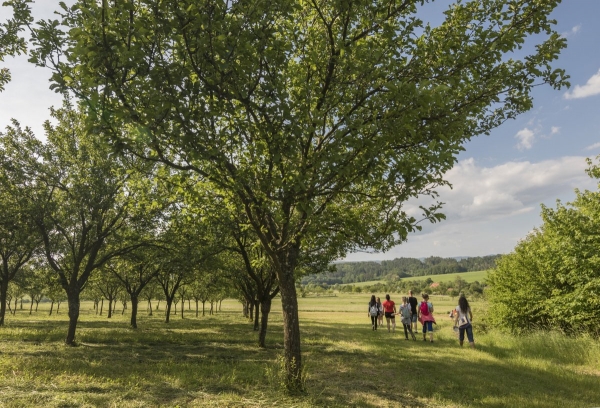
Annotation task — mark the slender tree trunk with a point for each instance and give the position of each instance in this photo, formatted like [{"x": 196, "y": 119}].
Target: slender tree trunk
[
  {"x": 211, "y": 308},
  {"x": 291, "y": 324},
  {"x": 31, "y": 307},
  {"x": 21, "y": 303},
  {"x": 168, "y": 311},
  {"x": 101, "y": 306},
  {"x": 203, "y": 308},
  {"x": 251, "y": 310},
  {"x": 73, "y": 301},
  {"x": 58, "y": 302},
  {"x": 134, "y": 309},
  {"x": 220, "y": 303},
  {"x": 149, "y": 307},
  {"x": 182, "y": 306},
  {"x": 256, "y": 315},
  {"x": 16, "y": 304},
  {"x": 3, "y": 291},
  {"x": 265, "y": 309},
  {"x": 157, "y": 304},
  {"x": 196, "y": 307},
  {"x": 110, "y": 308},
  {"x": 51, "y": 307},
  {"x": 37, "y": 304}
]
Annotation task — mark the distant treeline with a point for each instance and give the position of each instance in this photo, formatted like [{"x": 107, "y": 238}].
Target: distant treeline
[{"x": 352, "y": 272}]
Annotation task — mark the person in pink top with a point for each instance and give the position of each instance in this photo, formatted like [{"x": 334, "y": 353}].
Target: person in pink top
[{"x": 389, "y": 309}]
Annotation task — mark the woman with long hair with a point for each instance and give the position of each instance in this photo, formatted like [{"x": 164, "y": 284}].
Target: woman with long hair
[
  {"x": 380, "y": 312},
  {"x": 373, "y": 312},
  {"x": 462, "y": 320}
]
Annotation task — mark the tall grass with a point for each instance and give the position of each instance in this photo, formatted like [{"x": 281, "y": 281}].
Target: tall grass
[{"x": 212, "y": 361}]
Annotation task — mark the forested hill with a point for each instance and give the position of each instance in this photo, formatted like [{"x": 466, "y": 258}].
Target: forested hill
[{"x": 350, "y": 272}]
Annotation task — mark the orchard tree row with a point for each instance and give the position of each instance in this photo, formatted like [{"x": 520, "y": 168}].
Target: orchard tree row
[{"x": 310, "y": 123}]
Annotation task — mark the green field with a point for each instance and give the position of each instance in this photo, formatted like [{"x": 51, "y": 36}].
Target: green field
[
  {"x": 467, "y": 276},
  {"x": 212, "y": 361}
]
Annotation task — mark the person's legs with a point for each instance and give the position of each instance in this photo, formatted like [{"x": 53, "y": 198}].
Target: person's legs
[
  {"x": 405, "y": 326},
  {"x": 414, "y": 322},
  {"x": 412, "y": 334},
  {"x": 430, "y": 328},
  {"x": 387, "y": 319},
  {"x": 461, "y": 336},
  {"x": 374, "y": 322},
  {"x": 424, "y": 331},
  {"x": 469, "y": 330},
  {"x": 393, "y": 323}
]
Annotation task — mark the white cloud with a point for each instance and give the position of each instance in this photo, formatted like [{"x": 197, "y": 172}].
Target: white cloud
[
  {"x": 594, "y": 146},
  {"x": 489, "y": 209},
  {"x": 591, "y": 88},
  {"x": 526, "y": 138},
  {"x": 554, "y": 130},
  {"x": 572, "y": 31}
]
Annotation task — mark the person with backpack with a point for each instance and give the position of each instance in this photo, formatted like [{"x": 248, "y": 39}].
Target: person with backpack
[
  {"x": 380, "y": 312},
  {"x": 426, "y": 317},
  {"x": 389, "y": 309},
  {"x": 406, "y": 315},
  {"x": 373, "y": 312},
  {"x": 462, "y": 320}
]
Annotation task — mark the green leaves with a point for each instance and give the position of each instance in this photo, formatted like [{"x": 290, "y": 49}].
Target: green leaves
[{"x": 555, "y": 270}]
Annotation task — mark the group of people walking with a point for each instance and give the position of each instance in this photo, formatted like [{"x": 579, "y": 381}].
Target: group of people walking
[{"x": 412, "y": 311}]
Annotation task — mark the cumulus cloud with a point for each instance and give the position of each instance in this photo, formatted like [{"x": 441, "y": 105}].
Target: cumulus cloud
[
  {"x": 591, "y": 88},
  {"x": 554, "y": 130},
  {"x": 526, "y": 138},
  {"x": 509, "y": 189},
  {"x": 593, "y": 147},
  {"x": 489, "y": 209}
]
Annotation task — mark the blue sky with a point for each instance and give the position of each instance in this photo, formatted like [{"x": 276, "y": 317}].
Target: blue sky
[{"x": 500, "y": 180}]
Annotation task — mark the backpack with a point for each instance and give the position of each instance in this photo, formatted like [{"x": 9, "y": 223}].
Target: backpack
[
  {"x": 374, "y": 310},
  {"x": 424, "y": 309},
  {"x": 405, "y": 311}
]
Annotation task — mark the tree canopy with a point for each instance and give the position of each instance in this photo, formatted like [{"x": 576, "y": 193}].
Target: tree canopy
[{"x": 322, "y": 118}]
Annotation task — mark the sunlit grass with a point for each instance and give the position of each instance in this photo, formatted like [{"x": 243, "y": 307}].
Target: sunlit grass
[{"x": 213, "y": 361}]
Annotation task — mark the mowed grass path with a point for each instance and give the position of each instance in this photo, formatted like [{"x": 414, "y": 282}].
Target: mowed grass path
[{"x": 213, "y": 362}]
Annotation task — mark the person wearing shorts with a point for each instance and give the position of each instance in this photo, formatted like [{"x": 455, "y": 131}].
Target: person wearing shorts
[
  {"x": 426, "y": 317},
  {"x": 389, "y": 310}
]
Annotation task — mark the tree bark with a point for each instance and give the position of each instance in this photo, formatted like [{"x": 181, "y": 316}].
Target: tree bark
[
  {"x": 51, "y": 307},
  {"x": 73, "y": 300},
  {"x": 3, "y": 291},
  {"x": 265, "y": 309},
  {"x": 134, "y": 309},
  {"x": 291, "y": 325},
  {"x": 168, "y": 311},
  {"x": 196, "y": 307},
  {"x": 256, "y": 315}
]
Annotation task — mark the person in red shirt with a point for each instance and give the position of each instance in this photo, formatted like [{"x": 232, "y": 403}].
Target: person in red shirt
[{"x": 389, "y": 309}]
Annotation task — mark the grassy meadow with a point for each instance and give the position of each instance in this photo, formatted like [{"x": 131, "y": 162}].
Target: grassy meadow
[
  {"x": 213, "y": 361},
  {"x": 467, "y": 276}
]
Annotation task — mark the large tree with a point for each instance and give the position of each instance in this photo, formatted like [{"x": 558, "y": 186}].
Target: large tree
[
  {"x": 321, "y": 117},
  {"x": 85, "y": 203}
]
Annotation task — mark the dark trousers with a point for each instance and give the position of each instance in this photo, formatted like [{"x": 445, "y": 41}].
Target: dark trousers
[
  {"x": 374, "y": 321},
  {"x": 407, "y": 329}
]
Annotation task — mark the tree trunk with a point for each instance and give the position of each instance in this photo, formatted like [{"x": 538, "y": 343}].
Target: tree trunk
[
  {"x": 168, "y": 311},
  {"x": 16, "y": 304},
  {"x": 220, "y": 303},
  {"x": 196, "y": 307},
  {"x": 51, "y": 307},
  {"x": 101, "y": 306},
  {"x": 182, "y": 306},
  {"x": 256, "y": 315},
  {"x": 73, "y": 299},
  {"x": 149, "y": 307},
  {"x": 31, "y": 307},
  {"x": 110, "y": 308},
  {"x": 37, "y": 304},
  {"x": 251, "y": 310},
  {"x": 203, "y": 308},
  {"x": 3, "y": 291},
  {"x": 265, "y": 309},
  {"x": 134, "y": 309},
  {"x": 58, "y": 306},
  {"x": 291, "y": 324}
]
